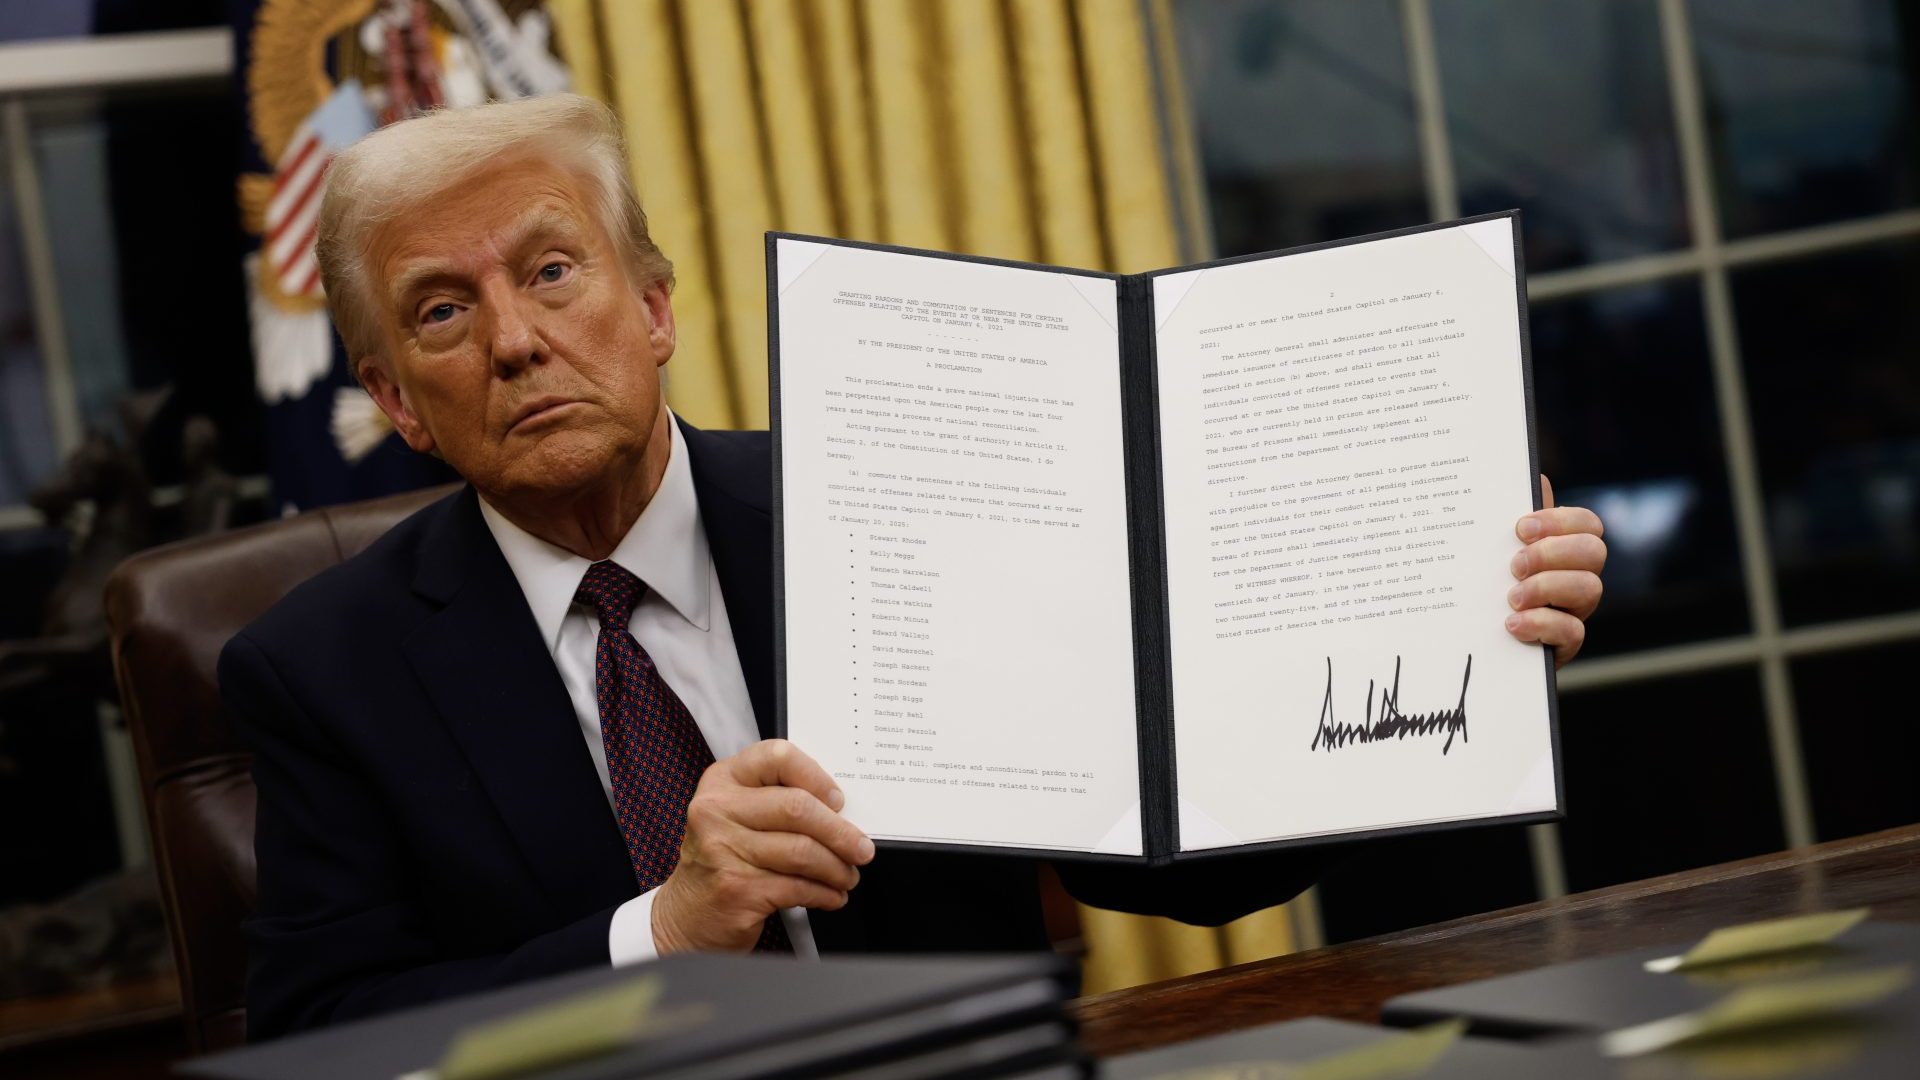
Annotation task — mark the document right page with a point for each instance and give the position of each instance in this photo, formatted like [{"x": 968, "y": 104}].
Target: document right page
[{"x": 1345, "y": 452}]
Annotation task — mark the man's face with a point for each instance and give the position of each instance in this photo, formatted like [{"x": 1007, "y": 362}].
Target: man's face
[{"x": 518, "y": 344}]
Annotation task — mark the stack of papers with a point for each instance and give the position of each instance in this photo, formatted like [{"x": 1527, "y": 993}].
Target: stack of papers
[{"x": 714, "y": 1017}]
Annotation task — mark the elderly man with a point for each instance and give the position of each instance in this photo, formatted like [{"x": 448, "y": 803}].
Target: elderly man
[{"x": 525, "y": 732}]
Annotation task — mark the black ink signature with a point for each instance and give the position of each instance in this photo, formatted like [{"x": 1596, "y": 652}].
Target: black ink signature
[{"x": 1392, "y": 724}]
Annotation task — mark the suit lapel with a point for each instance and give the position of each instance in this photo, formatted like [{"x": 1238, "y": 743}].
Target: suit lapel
[
  {"x": 734, "y": 485},
  {"x": 493, "y": 680}
]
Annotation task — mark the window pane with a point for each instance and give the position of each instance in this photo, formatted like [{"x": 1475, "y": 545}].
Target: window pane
[
  {"x": 1561, "y": 108},
  {"x": 26, "y": 433},
  {"x": 1860, "y": 759},
  {"x": 1627, "y": 423},
  {"x": 147, "y": 267},
  {"x": 1666, "y": 775},
  {"x": 70, "y": 147},
  {"x": 1829, "y": 350},
  {"x": 1388, "y": 885},
  {"x": 1304, "y": 119},
  {"x": 1810, "y": 108},
  {"x": 23, "y": 20}
]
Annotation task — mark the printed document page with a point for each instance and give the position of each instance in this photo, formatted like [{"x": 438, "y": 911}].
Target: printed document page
[
  {"x": 959, "y": 646},
  {"x": 1345, "y": 455}
]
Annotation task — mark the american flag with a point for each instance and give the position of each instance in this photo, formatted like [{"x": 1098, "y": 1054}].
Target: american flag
[{"x": 294, "y": 209}]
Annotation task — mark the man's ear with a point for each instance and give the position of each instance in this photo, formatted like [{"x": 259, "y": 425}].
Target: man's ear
[
  {"x": 386, "y": 394},
  {"x": 662, "y": 335}
]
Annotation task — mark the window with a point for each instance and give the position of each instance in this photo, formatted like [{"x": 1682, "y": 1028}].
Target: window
[
  {"x": 121, "y": 313},
  {"x": 1722, "y": 215}
]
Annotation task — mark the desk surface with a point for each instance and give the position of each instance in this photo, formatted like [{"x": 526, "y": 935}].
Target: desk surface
[
  {"x": 152, "y": 999},
  {"x": 1352, "y": 981}
]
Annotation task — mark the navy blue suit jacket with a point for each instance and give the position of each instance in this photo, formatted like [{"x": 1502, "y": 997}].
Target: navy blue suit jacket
[{"x": 430, "y": 822}]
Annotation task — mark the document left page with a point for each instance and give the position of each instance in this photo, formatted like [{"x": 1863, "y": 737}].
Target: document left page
[{"x": 958, "y": 646}]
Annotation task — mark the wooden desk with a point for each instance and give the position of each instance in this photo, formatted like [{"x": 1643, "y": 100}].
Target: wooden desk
[
  {"x": 154, "y": 999},
  {"x": 1352, "y": 981}
]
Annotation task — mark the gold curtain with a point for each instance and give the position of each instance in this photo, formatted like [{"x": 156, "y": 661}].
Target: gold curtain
[{"x": 1023, "y": 129}]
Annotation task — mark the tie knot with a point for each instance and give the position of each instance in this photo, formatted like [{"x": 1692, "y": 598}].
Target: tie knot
[{"x": 612, "y": 591}]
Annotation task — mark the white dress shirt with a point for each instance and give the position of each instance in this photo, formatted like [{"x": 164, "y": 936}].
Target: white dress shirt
[{"x": 681, "y": 620}]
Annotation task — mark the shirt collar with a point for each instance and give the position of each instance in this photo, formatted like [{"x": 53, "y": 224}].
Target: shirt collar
[{"x": 666, "y": 548}]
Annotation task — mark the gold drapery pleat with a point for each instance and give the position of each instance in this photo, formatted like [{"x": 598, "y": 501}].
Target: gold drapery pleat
[{"x": 1022, "y": 129}]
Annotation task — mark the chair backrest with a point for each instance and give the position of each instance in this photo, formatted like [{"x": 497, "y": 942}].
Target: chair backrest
[{"x": 170, "y": 611}]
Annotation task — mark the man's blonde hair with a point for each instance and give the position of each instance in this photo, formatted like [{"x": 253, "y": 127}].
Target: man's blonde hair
[{"x": 398, "y": 167}]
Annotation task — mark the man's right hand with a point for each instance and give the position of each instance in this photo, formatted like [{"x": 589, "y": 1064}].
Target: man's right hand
[{"x": 764, "y": 832}]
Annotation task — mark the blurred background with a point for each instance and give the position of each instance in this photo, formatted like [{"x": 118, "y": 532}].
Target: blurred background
[{"x": 1722, "y": 225}]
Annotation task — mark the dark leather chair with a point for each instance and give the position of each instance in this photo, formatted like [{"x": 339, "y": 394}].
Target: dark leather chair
[{"x": 170, "y": 611}]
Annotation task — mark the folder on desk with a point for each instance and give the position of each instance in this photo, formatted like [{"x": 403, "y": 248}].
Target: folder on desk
[
  {"x": 1859, "y": 1048},
  {"x": 714, "y": 1017},
  {"x": 1335, "y": 1047},
  {"x": 1612, "y": 992}
]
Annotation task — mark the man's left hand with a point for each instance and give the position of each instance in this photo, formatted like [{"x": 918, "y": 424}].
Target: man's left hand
[{"x": 1559, "y": 572}]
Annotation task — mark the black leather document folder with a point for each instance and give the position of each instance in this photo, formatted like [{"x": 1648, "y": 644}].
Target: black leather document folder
[
  {"x": 731, "y": 1016},
  {"x": 1874, "y": 1046},
  {"x": 1267, "y": 1050},
  {"x": 1159, "y": 567},
  {"x": 1611, "y": 992}
]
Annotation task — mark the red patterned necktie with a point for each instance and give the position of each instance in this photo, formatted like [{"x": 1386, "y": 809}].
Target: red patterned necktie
[{"x": 655, "y": 752}]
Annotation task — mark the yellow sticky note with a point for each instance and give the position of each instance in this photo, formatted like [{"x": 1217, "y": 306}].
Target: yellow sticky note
[
  {"x": 1392, "y": 1058},
  {"x": 1762, "y": 1006},
  {"x": 1760, "y": 938},
  {"x": 583, "y": 1026}
]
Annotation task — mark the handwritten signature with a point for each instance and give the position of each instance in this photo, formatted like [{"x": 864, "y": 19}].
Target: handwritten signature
[{"x": 1392, "y": 723}]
